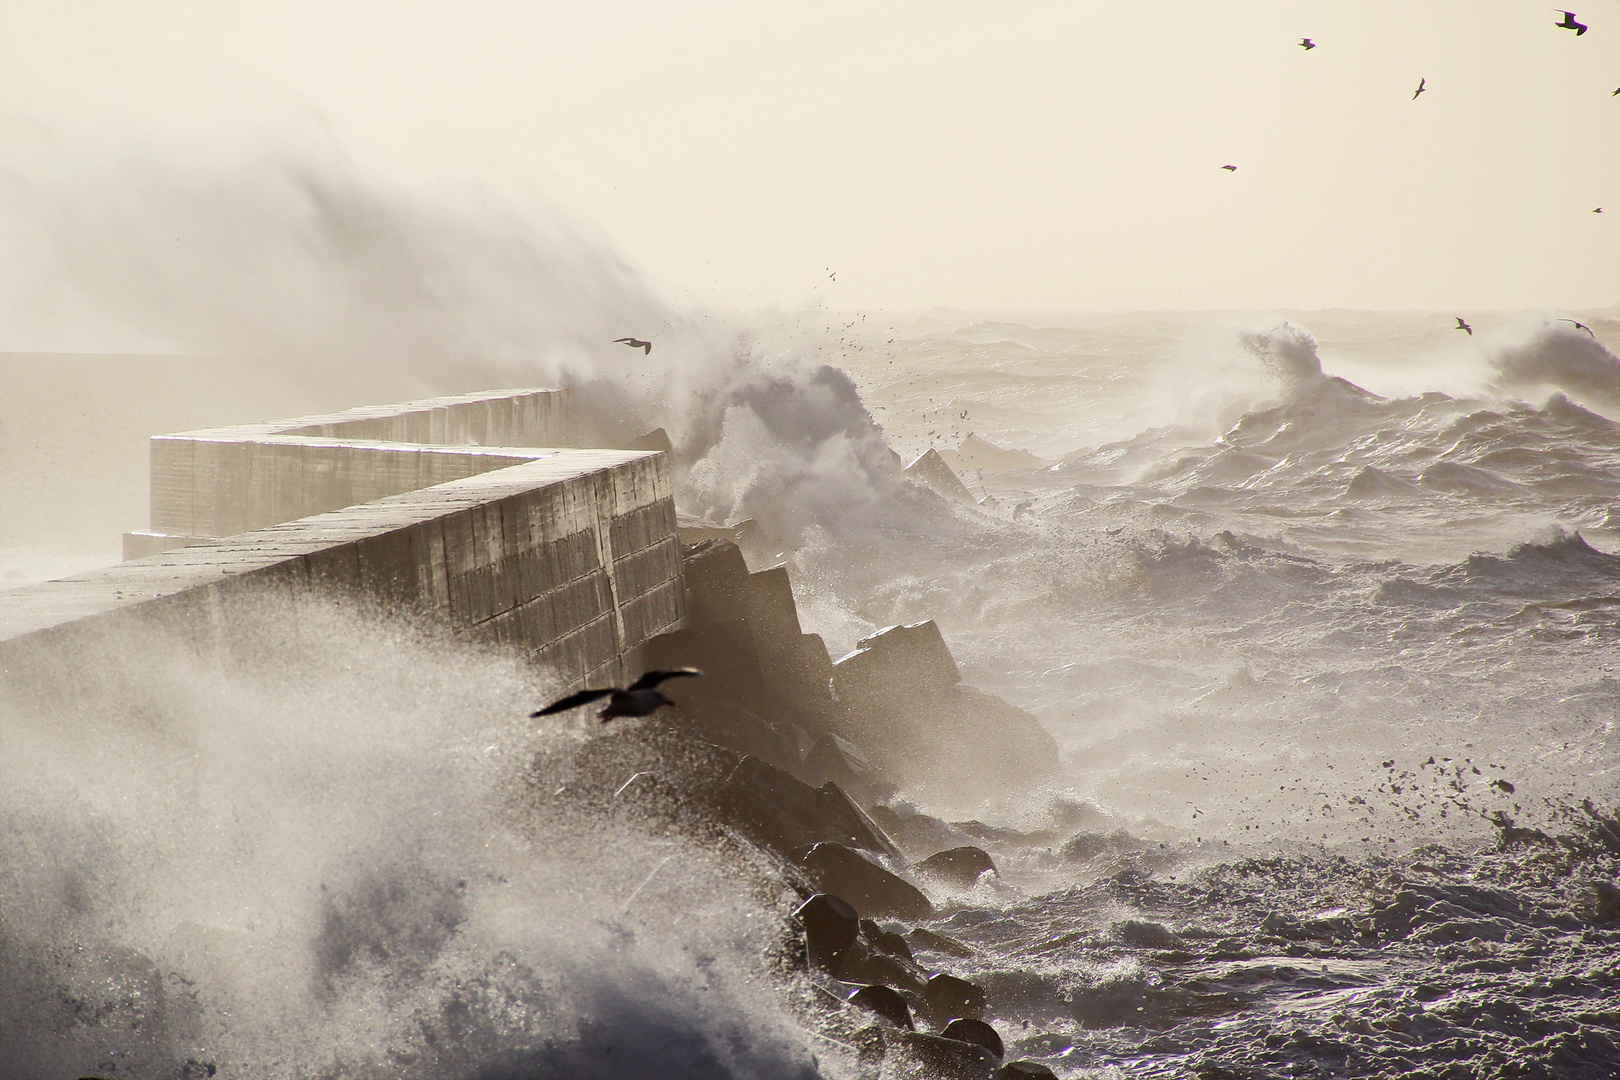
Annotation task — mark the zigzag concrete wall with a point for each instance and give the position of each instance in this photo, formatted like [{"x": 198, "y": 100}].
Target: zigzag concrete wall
[
  {"x": 224, "y": 481},
  {"x": 570, "y": 556}
]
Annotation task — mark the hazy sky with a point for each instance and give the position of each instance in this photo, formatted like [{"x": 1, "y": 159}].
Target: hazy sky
[{"x": 1004, "y": 155}]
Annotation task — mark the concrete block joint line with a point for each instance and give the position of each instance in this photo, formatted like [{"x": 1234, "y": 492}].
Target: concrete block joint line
[{"x": 473, "y": 511}]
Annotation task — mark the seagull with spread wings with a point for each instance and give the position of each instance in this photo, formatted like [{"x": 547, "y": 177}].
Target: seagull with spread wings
[
  {"x": 640, "y": 698},
  {"x": 635, "y": 343},
  {"x": 1569, "y": 23},
  {"x": 1463, "y": 326},
  {"x": 1421, "y": 83}
]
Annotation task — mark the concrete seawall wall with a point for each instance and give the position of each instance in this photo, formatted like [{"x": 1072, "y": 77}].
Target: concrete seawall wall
[
  {"x": 569, "y": 556},
  {"x": 223, "y": 481}
]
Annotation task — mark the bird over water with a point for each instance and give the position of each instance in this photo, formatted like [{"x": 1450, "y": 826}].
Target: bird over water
[
  {"x": 1463, "y": 326},
  {"x": 640, "y": 698},
  {"x": 635, "y": 343},
  {"x": 1569, "y": 23}
]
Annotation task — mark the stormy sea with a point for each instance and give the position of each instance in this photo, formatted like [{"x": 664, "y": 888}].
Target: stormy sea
[{"x": 1321, "y": 609}]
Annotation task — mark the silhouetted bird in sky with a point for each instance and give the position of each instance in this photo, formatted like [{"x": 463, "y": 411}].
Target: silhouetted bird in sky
[
  {"x": 1230, "y": 168},
  {"x": 1599, "y": 210},
  {"x": 640, "y": 698},
  {"x": 1463, "y": 326},
  {"x": 1419, "y": 90},
  {"x": 1582, "y": 325},
  {"x": 635, "y": 343},
  {"x": 1615, "y": 92},
  {"x": 1569, "y": 23},
  {"x": 1307, "y": 44}
]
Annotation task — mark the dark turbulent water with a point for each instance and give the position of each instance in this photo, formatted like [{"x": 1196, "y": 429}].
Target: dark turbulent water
[{"x": 1327, "y": 628}]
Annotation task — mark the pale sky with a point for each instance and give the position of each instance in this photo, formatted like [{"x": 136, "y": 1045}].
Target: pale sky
[{"x": 975, "y": 155}]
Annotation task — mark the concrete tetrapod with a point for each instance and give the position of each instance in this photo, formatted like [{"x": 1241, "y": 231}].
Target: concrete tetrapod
[
  {"x": 950, "y": 998},
  {"x": 830, "y": 930},
  {"x": 886, "y": 940},
  {"x": 863, "y": 883},
  {"x": 960, "y": 866},
  {"x": 1025, "y": 1070},
  {"x": 977, "y": 1032},
  {"x": 886, "y": 1002}
]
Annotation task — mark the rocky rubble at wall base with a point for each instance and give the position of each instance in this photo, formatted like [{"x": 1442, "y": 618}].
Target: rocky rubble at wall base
[{"x": 782, "y": 751}]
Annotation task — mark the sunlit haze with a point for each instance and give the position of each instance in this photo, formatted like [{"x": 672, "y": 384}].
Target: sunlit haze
[
  {"x": 810, "y": 540},
  {"x": 983, "y": 156}
]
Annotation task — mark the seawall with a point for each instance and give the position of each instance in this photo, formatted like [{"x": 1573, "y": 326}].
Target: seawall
[
  {"x": 223, "y": 481},
  {"x": 570, "y": 556}
]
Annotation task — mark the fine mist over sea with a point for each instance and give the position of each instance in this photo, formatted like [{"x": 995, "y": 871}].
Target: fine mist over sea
[{"x": 1322, "y": 609}]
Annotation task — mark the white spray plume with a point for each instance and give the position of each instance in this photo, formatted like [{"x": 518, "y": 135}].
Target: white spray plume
[
  {"x": 323, "y": 275},
  {"x": 311, "y": 857},
  {"x": 1289, "y": 352},
  {"x": 1556, "y": 354}
]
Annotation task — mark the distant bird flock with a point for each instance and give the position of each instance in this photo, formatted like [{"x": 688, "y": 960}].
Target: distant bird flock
[{"x": 1569, "y": 22}]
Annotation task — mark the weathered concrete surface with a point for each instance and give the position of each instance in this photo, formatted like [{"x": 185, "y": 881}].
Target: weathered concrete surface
[
  {"x": 223, "y": 481},
  {"x": 570, "y": 556},
  {"x": 525, "y": 417}
]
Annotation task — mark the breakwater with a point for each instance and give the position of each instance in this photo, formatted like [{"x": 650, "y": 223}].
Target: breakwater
[
  {"x": 568, "y": 555},
  {"x": 571, "y": 558}
]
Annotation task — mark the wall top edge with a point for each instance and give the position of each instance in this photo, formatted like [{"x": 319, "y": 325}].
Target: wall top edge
[
  {"x": 257, "y": 435},
  {"x": 365, "y": 413}
]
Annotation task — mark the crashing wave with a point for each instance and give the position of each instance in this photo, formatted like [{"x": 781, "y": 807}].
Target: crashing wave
[{"x": 1560, "y": 356}]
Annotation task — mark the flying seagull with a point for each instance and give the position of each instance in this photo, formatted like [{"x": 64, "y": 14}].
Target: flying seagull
[
  {"x": 1582, "y": 325},
  {"x": 1307, "y": 44},
  {"x": 1569, "y": 23},
  {"x": 1463, "y": 326},
  {"x": 1599, "y": 210},
  {"x": 640, "y": 698},
  {"x": 1230, "y": 168},
  {"x": 635, "y": 343},
  {"x": 1419, "y": 90}
]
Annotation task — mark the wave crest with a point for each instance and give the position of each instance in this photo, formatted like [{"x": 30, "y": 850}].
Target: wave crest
[{"x": 1561, "y": 356}]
